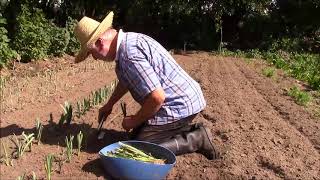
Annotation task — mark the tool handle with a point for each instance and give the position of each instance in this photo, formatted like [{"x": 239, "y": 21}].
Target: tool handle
[
  {"x": 124, "y": 108},
  {"x": 101, "y": 123}
]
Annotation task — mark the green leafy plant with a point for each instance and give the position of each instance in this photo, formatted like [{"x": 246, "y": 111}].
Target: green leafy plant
[
  {"x": 74, "y": 44},
  {"x": 300, "y": 97},
  {"x": 48, "y": 165},
  {"x": 6, "y": 53},
  {"x": 69, "y": 144},
  {"x": 6, "y": 159},
  {"x": 268, "y": 72},
  {"x": 59, "y": 41},
  {"x": 32, "y": 39},
  {"x": 39, "y": 128},
  {"x": 79, "y": 141},
  {"x": 22, "y": 144}
]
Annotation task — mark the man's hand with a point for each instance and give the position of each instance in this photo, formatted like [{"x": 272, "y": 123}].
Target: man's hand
[
  {"x": 129, "y": 122},
  {"x": 104, "y": 112}
]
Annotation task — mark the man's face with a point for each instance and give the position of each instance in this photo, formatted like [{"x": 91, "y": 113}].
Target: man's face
[{"x": 102, "y": 48}]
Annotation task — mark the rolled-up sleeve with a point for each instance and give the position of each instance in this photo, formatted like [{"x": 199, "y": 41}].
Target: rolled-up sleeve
[{"x": 141, "y": 76}]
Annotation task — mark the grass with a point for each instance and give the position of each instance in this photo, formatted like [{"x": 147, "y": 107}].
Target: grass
[
  {"x": 268, "y": 71},
  {"x": 300, "y": 97}
]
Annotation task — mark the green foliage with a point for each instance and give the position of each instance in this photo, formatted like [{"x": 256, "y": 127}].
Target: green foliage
[
  {"x": 253, "y": 53},
  {"x": 275, "y": 59},
  {"x": 74, "y": 45},
  {"x": 300, "y": 97},
  {"x": 286, "y": 44},
  {"x": 268, "y": 72},
  {"x": 60, "y": 38},
  {"x": 306, "y": 67},
  {"x": 33, "y": 37},
  {"x": 6, "y": 53}
]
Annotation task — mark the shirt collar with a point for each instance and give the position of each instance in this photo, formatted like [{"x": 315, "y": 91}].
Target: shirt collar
[{"x": 120, "y": 37}]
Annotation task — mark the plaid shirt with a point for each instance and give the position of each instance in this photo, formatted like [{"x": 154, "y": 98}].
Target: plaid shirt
[{"x": 143, "y": 65}]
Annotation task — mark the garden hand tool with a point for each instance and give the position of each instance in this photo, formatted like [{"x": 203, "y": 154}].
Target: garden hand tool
[
  {"x": 124, "y": 112},
  {"x": 101, "y": 133}
]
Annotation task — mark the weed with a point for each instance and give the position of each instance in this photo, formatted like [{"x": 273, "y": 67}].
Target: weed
[
  {"x": 268, "y": 72},
  {"x": 39, "y": 128},
  {"x": 79, "y": 141},
  {"x": 48, "y": 165},
  {"x": 69, "y": 144},
  {"x": 7, "y": 160},
  {"x": 300, "y": 97}
]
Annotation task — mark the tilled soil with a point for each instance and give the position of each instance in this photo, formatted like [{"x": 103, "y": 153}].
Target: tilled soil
[{"x": 259, "y": 130}]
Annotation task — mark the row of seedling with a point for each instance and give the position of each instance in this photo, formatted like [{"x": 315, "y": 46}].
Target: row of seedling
[
  {"x": 22, "y": 144},
  {"x": 25, "y": 143},
  {"x": 49, "y": 159},
  {"x": 95, "y": 98}
]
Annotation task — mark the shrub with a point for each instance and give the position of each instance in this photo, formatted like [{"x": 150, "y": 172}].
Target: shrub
[
  {"x": 33, "y": 38},
  {"x": 60, "y": 38},
  {"x": 74, "y": 45},
  {"x": 6, "y": 53}
]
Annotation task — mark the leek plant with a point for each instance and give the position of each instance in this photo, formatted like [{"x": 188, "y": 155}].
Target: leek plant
[
  {"x": 7, "y": 160},
  {"x": 34, "y": 177},
  {"x": 130, "y": 152},
  {"x": 67, "y": 114},
  {"x": 23, "y": 177},
  {"x": 69, "y": 144},
  {"x": 22, "y": 144},
  {"x": 79, "y": 141},
  {"x": 48, "y": 165},
  {"x": 39, "y": 128}
]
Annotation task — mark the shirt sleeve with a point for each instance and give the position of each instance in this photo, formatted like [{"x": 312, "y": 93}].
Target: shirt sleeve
[{"x": 141, "y": 76}]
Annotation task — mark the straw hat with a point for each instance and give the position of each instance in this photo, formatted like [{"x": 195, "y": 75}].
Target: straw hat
[{"x": 88, "y": 31}]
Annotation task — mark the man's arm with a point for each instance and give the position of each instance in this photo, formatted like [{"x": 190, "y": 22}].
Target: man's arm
[
  {"x": 117, "y": 94},
  {"x": 149, "y": 108}
]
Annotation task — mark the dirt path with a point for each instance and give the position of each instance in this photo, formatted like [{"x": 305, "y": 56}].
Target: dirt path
[{"x": 261, "y": 132}]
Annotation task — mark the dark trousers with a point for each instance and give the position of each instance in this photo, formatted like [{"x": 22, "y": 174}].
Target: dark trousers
[{"x": 162, "y": 133}]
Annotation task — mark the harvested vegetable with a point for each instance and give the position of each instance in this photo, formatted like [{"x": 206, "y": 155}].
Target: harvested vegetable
[{"x": 129, "y": 152}]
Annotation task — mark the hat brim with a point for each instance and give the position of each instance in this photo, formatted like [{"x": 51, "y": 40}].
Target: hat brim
[{"x": 103, "y": 26}]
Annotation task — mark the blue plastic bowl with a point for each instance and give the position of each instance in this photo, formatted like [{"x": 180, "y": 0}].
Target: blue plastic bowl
[{"x": 121, "y": 168}]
